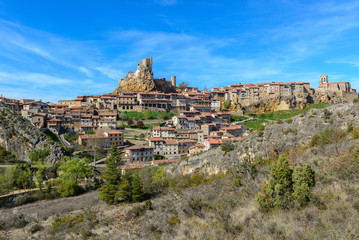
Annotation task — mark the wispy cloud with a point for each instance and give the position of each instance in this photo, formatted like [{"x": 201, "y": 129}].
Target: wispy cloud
[
  {"x": 110, "y": 72},
  {"x": 38, "y": 79}
]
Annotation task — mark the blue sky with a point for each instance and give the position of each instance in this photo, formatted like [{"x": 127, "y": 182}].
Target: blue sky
[{"x": 53, "y": 50}]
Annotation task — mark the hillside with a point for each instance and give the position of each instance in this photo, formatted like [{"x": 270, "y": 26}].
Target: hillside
[
  {"x": 277, "y": 137},
  {"x": 20, "y": 137},
  {"x": 211, "y": 197}
]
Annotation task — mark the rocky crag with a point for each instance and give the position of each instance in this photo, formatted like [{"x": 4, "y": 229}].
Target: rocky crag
[
  {"x": 288, "y": 103},
  {"x": 20, "y": 137},
  {"x": 274, "y": 139},
  {"x": 142, "y": 80}
]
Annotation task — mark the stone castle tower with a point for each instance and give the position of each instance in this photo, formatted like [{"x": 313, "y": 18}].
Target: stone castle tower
[
  {"x": 323, "y": 79},
  {"x": 173, "y": 81}
]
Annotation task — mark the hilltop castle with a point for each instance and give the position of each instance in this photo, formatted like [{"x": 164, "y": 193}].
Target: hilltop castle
[{"x": 142, "y": 80}]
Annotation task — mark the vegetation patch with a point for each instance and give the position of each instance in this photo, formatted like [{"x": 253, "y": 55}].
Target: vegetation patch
[{"x": 147, "y": 115}]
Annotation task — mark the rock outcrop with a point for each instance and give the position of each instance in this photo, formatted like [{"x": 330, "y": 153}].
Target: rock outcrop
[
  {"x": 288, "y": 103},
  {"x": 19, "y": 136},
  {"x": 142, "y": 80},
  {"x": 274, "y": 139}
]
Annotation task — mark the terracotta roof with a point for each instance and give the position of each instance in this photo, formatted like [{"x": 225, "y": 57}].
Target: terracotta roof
[
  {"x": 200, "y": 145},
  {"x": 85, "y": 126},
  {"x": 154, "y": 162},
  {"x": 115, "y": 132},
  {"x": 108, "y": 114},
  {"x": 187, "y": 141},
  {"x": 132, "y": 167},
  {"x": 215, "y": 141},
  {"x": 155, "y": 139},
  {"x": 54, "y": 120},
  {"x": 171, "y": 142}
]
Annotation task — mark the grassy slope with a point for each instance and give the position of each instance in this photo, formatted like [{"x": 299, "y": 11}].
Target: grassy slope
[
  {"x": 147, "y": 115},
  {"x": 259, "y": 119}
]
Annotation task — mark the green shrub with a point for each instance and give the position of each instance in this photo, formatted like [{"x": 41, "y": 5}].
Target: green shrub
[
  {"x": 356, "y": 100},
  {"x": 2, "y": 225},
  {"x": 67, "y": 222},
  {"x": 355, "y": 133},
  {"x": 39, "y": 155},
  {"x": 303, "y": 180},
  {"x": 227, "y": 147},
  {"x": 67, "y": 188},
  {"x": 286, "y": 187},
  {"x": 173, "y": 220},
  {"x": 327, "y": 113},
  {"x": 90, "y": 132},
  {"x": 227, "y": 104},
  {"x": 328, "y": 136},
  {"x": 290, "y": 121},
  {"x": 350, "y": 128}
]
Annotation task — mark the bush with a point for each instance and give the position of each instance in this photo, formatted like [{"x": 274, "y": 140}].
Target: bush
[
  {"x": 90, "y": 132},
  {"x": 328, "y": 136},
  {"x": 39, "y": 155},
  {"x": 67, "y": 222},
  {"x": 122, "y": 116},
  {"x": 327, "y": 113},
  {"x": 140, "y": 124},
  {"x": 286, "y": 186},
  {"x": 35, "y": 228},
  {"x": 129, "y": 122},
  {"x": 355, "y": 133},
  {"x": 290, "y": 121},
  {"x": 227, "y": 147},
  {"x": 173, "y": 220},
  {"x": 68, "y": 188},
  {"x": 356, "y": 100},
  {"x": 227, "y": 104}
]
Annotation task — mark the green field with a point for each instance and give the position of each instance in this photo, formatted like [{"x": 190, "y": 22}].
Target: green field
[
  {"x": 235, "y": 118},
  {"x": 285, "y": 114},
  {"x": 146, "y": 126},
  {"x": 254, "y": 125},
  {"x": 147, "y": 115},
  {"x": 259, "y": 119}
]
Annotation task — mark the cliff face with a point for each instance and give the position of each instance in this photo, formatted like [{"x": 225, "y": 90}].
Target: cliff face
[
  {"x": 288, "y": 103},
  {"x": 19, "y": 136},
  {"x": 142, "y": 80},
  {"x": 275, "y": 139}
]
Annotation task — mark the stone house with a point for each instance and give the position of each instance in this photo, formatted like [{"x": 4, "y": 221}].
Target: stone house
[{"x": 139, "y": 153}]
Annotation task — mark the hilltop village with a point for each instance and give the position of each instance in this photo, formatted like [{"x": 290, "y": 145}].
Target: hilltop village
[{"x": 201, "y": 120}]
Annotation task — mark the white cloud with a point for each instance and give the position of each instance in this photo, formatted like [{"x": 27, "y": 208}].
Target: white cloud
[
  {"x": 86, "y": 71},
  {"x": 34, "y": 79},
  {"x": 111, "y": 73}
]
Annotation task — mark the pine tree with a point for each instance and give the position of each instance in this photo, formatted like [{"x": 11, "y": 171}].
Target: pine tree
[
  {"x": 277, "y": 192},
  {"x": 124, "y": 192},
  {"x": 137, "y": 189},
  {"x": 286, "y": 186},
  {"x": 111, "y": 176},
  {"x": 303, "y": 180}
]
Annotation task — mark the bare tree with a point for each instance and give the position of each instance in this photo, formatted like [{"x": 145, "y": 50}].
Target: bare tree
[
  {"x": 183, "y": 85},
  {"x": 95, "y": 146}
]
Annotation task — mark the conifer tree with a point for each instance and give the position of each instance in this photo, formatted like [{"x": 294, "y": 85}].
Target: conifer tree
[
  {"x": 124, "y": 192},
  {"x": 111, "y": 176},
  {"x": 137, "y": 189},
  {"x": 286, "y": 186}
]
